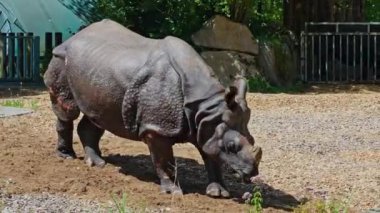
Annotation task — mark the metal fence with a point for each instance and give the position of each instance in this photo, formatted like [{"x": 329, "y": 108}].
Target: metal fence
[
  {"x": 340, "y": 52},
  {"x": 20, "y": 57}
]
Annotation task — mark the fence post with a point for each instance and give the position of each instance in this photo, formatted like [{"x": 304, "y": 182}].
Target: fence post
[
  {"x": 11, "y": 55},
  {"x": 58, "y": 39},
  {"x": 20, "y": 56},
  {"x": 2, "y": 55},
  {"x": 36, "y": 59}
]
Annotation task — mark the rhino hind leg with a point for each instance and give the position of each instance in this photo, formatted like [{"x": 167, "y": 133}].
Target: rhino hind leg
[
  {"x": 90, "y": 135},
  {"x": 63, "y": 106},
  {"x": 161, "y": 151},
  {"x": 65, "y": 139},
  {"x": 66, "y": 114}
]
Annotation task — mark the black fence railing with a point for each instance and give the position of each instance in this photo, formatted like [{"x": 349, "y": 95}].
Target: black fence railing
[
  {"x": 340, "y": 52},
  {"x": 19, "y": 57}
]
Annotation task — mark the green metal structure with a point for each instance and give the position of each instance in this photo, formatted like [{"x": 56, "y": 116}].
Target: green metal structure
[{"x": 23, "y": 24}]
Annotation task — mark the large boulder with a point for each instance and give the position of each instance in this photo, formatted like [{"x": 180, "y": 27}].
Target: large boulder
[
  {"x": 278, "y": 63},
  {"x": 228, "y": 64},
  {"x": 224, "y": 34}
]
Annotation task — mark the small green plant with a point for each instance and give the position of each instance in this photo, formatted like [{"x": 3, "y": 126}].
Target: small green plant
[
  {"x": 13, "y": 103},
  {"x": 256, "y": 202},
  {"x": 120, "y": 204},
  {"x": 322, "y": 206}
]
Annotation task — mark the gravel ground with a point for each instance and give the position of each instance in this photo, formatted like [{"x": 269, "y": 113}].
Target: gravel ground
[
  {"x": 316, "y": 146},
  {"x": 329, "y": 145},
  {"x": 46, "y": 202}
]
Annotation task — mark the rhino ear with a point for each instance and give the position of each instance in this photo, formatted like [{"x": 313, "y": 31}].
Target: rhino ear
[
  {"x": 212, "y": 146},
  {"x": 229, "y": 97}
]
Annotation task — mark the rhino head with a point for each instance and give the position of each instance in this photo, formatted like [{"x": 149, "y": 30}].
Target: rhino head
[{"x": 231, "y": 141}]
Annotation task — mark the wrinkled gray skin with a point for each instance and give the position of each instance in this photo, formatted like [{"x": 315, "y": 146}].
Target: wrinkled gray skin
[{"x": 157, "y": 91}]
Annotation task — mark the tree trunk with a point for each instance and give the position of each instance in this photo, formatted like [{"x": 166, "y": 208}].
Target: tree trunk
[
  {"x": 357, "y": 10},
  {"x": 297, "y": 12}
]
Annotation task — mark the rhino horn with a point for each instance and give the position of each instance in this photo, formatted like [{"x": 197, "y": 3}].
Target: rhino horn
[{"x": 257, "y": 154}]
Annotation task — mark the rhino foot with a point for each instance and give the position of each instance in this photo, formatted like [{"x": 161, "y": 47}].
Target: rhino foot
[
  {"x": 66, "y": 153},
  {"x": 94, "y": 160},
  {"x": 167, "y": 186},
  {"x": 216, "y": 190}
]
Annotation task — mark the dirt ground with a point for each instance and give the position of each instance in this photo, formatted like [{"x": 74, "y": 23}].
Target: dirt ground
[{"x": 316, "y": 145}]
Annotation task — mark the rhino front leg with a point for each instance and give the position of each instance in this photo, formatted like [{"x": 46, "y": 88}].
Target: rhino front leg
[
  {"x": 216, "y": 187},
  {"x": 161, "y": 151},
  {"x": 90, "y": 135}
]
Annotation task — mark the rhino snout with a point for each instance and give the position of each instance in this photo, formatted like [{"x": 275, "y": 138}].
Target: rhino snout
[{"x": 253, "y": 155}]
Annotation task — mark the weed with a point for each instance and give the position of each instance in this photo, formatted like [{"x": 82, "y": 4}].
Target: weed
[
  {"x": 321, "y": 206},
  {"x": 120, "y": 204},
  {"x": 256, "y": 201}
]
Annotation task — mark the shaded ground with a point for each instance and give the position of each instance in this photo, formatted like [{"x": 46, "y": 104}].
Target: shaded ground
[{"x": 315, "y": 145}]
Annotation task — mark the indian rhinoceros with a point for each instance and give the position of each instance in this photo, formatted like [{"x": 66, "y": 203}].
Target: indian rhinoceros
[{"x": 159, "y": 91}]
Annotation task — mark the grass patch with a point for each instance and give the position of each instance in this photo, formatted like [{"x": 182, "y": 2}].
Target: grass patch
[
  {"x": 13, "y": 103},
  {"x": 260, "y": 84},
  {"x": 20, "y": 103},
  {"x": 322, "y": 206}
]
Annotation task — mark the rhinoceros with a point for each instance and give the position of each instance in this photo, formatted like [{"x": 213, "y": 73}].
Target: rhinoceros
[{"x": 158, "y": 91}]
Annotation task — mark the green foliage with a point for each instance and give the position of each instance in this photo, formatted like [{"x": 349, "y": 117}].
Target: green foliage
[
  {"x": 372, "y": 10},
  {"x": 154, "y": 19},
  {"x": 321, "y": 206},
  {"x": 266, "y": 19},
  {"x": 260, "y": 84},
  {"x": 256, "y": 201}
]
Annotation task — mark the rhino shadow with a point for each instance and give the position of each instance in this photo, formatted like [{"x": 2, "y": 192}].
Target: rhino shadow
[
  {"x": 192, "y": 178},
  {"x": 278, "y": 199}
]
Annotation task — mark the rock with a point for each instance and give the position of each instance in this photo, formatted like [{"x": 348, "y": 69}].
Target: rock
[
  {"x": 221, "y": 33},
  {"x": 228, "y": 64},
  {"x": 278, "y": 63}
]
